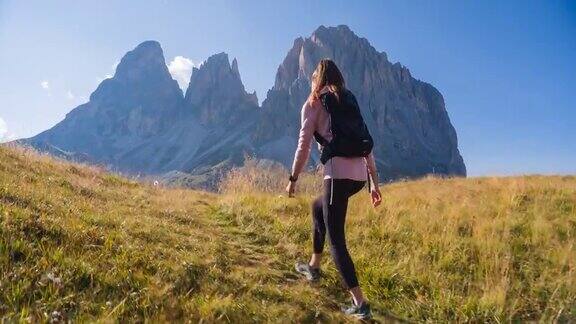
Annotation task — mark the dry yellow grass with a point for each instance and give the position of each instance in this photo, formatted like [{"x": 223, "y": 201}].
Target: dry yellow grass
[
  {"x": 479, "y": 249},
  {"x": 79, "y": 243}
]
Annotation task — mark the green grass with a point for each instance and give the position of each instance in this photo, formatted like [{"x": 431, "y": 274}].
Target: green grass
[{"x": 77, "y": 243}]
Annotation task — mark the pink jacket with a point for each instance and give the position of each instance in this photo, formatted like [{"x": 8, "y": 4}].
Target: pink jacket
[{"x": 315, "y": 118}]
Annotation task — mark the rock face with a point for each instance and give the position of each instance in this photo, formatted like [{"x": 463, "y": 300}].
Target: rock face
[
  {"x": 140, "y": 122},
  {"x": 217, "y": 99},
  {"x": 216, "y": 94},
  {"x": 407, "y": 117},
  {"x": 139, "y": 103}
]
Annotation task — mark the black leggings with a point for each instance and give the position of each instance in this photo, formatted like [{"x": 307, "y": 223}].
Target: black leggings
[{"x": 331, "y": 218}]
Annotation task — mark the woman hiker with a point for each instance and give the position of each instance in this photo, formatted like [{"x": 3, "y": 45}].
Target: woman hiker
[{"x": 331, "y": 112}]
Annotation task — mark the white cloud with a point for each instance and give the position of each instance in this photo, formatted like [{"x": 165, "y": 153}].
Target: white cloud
[
  {"x": 45, "y": 85},
  {"x": 181, "y": 69},
  {"x": 70, "y": 95},
  {"x": 107, "y": 76},
  {"x": 5, "y": 135}
]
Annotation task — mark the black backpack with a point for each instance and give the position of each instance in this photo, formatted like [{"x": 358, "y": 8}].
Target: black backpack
[{"x": 350, "y": 135}]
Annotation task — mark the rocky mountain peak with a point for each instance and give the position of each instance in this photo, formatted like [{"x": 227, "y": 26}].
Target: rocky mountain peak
[
  {"x": 340, "y": 31},
  {"x": 235, "y": 68},
  {"x": 288, "y": 70},
  {"x": 216, "y": 93},
  {"x": 324, "y": 42},
  {"x": 215, "y": 73},
  {"x": 144, "y": 61},
  {"x": 142, "y": 72},
  {"x": 139, "y": 102},
  {"x": 340, "y": 34}
]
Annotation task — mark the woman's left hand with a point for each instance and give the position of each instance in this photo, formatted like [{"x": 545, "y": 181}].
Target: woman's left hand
[{"x": 290, "y": 188}]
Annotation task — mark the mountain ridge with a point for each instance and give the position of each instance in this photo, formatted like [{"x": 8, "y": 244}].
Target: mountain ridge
[{"x": 146, "y": 124}]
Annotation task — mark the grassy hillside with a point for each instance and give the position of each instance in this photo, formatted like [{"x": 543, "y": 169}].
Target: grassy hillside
[{"x": 78, "y": 243}]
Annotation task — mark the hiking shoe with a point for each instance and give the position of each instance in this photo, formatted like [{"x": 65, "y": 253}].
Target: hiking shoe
[
  {"x": 305, "y": 269},
  {"x": 361, "y": 312}
]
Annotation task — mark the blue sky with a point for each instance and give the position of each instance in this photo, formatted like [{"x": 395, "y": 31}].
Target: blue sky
[{"x": 507, "y": 69}]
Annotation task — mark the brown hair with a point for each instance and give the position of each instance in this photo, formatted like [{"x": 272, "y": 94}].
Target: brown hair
[{"x": 326, "y": 74}]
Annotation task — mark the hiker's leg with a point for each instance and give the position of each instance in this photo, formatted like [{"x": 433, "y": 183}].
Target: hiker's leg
[
  {"x": 356, "y": 292},
  {"x": 318, "y": 233},
  {"x": 334, "y": 219}
]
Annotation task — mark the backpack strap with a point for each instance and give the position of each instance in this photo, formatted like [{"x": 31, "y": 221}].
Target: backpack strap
[
  {"x": 324, "y": 100},
  {"x": 326, "y": 150},
  {"x": 320, "y": 139}
]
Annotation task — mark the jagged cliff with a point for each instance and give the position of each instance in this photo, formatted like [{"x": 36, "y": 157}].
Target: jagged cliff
[{"x": 216, "y": 94}]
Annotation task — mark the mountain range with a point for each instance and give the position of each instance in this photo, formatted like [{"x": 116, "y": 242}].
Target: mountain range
[{"x": 140, "y": 122}]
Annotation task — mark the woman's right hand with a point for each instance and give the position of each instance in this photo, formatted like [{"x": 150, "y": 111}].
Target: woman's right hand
[
  {"x": 290, "y": 188},
  {"x": 376, "y": 196}
]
